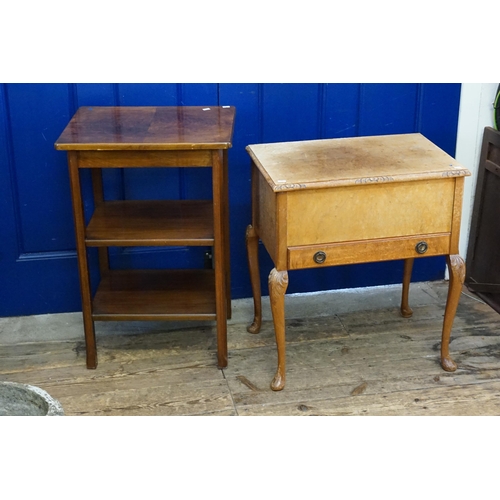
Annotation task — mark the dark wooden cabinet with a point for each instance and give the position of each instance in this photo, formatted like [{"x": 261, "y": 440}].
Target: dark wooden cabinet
[
  {"x": 152, "y": 137},
  {"x": 483, "y": 253}
]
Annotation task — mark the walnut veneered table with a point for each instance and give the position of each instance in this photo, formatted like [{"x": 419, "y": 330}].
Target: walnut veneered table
[
  {"x": 152, "y": 137},
  {"x": 345, "y": 201}
]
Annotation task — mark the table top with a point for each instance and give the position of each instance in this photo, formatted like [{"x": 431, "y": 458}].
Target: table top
[
  {"x": 149, "y": 128},
  {"x": 289, "y": 166}
]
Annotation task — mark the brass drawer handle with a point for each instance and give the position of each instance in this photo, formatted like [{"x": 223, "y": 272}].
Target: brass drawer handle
[
  {"x": 421, "y": 247},
  {"x": 319, "y": 257}
]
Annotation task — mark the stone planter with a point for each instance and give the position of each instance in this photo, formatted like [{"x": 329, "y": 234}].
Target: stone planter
[{"x": 27, "y": 400}]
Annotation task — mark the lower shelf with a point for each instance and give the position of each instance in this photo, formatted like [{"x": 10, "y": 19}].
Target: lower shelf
[{"x": 178, "y": 294}]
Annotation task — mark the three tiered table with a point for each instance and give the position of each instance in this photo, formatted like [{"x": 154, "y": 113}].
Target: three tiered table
[{"x": 152, "y": 137}]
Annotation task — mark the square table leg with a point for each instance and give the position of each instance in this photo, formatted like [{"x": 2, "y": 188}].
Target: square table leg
[{"x": 83, "y": 270}]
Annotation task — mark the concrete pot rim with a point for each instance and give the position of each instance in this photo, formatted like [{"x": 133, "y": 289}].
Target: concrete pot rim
[{"x": 54, "y": 407}]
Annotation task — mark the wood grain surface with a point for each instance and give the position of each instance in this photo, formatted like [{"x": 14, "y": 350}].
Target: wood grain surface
[
  {"x": 291, "y": 166},
  {"x": 148, "y": 128}
]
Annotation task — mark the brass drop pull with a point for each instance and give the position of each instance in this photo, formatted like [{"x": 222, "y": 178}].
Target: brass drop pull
[
  {"x": 319, "y": 257},
  {"x": 421, "y": 247}
]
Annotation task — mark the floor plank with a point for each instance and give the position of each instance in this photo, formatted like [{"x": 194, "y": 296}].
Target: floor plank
[
  {"x": 358, "y": 362},
  {"x": 464, "y": 400}
]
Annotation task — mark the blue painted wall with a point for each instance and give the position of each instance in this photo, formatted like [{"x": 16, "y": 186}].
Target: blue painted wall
[{"x": 38, "y": 271}]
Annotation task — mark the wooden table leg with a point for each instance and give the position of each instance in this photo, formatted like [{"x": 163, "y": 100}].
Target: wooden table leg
[
  {"x": 278, "y": 283},
  {"x": 98, "y": 189},
  {"x": 220, "y": 258},
  {"x": 252, "y": 242},
  {"x": 83, "y": 269},
  {"x": 225, "y": 198},
  {"x": 406, "y": 310},
  {"x": 456, "y": 268}
]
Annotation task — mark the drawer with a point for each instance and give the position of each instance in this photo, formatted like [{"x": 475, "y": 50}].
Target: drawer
[
  {"x": 369, "y": 211},
  {"x": 353, "y": 252}
]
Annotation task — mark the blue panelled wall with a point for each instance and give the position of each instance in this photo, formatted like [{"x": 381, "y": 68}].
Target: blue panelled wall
[{"x": 38, "y": 268}]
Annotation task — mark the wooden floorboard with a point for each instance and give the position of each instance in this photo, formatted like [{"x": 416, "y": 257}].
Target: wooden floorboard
[{"x": 371, "y": 362}]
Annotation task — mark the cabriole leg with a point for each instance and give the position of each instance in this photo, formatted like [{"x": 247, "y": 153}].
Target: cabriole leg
[
  {"x": 252, "y": 242},
  {"x": 278, "y": 283},
  {"x": 456, "y": 267},
  {"x": 406, "y": 310}
]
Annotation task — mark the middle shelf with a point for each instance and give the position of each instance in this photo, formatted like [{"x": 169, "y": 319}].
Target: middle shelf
[{"x": 151, "y": 223}]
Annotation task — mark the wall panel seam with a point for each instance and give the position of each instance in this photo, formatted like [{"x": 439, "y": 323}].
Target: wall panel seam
[
  {"x": 321, "y": 110},
  {"x": 61, "y": 254},
  {"x": 361, "y": 93},
  {"x": 11, "y": 167},
  {"x": 419, "y": 102},
  {"x": 260, "y": 99}
]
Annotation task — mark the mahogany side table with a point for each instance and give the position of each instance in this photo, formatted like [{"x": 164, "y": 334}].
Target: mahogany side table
[
  {"x": 345, "y": 201},
  {"x": 152, "y": 137}
]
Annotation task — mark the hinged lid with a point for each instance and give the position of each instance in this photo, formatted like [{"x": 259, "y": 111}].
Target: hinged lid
[{"x": 289, "y": 166}]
